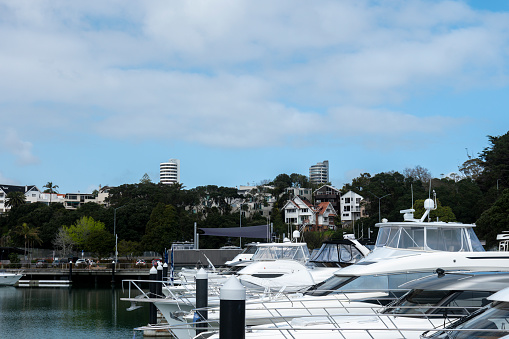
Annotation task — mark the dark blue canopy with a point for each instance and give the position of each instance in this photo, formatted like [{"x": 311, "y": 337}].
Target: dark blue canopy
[{"x": 261, "y": 231}]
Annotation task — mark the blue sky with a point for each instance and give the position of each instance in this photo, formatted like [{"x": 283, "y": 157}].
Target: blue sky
[{"x": 99, "y": 93}]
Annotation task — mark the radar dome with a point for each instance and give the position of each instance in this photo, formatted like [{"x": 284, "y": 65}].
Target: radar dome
[{"x": 429, "y": 204}]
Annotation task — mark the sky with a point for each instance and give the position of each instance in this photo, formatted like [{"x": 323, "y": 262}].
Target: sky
[{"x": 101, "y": 92}]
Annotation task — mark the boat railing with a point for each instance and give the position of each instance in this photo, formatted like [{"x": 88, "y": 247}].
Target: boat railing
[{"x": 280, "y": 323}]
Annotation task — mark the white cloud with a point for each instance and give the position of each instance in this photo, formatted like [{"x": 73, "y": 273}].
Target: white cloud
[
  {"x": 21, "y": 149},
  {"x": 236, "y": 73}
]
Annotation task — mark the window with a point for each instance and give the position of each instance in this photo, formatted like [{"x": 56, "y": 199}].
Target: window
[
  {"x": 347, "y": 200},
  {"x": 346, "y": 208}
]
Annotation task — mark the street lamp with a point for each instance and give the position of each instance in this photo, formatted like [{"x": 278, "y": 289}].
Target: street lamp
[
  {"x": 115, "y": 232},
  {"x": 379, "y": 198},
  {"x": 240, "y": 222}
]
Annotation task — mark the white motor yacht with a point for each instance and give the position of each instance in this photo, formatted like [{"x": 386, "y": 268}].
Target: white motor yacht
[
  {"x": 288, "y": 265},
  {"x": 433, "y": 302},
  {"x": 490, "y": 322},
  {"x": 9, "y": 278},
  {"x": 403, "y": 251}
]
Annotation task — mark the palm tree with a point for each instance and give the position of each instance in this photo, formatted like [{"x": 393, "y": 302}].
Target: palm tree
[
  {"x": 15, "y": 199},
  {"x": 30, "y": 235},
  {"x": 50, "y": 188}
]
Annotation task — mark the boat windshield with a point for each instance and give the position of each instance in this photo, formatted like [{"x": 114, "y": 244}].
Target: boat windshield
[
  {"x": 299, "y": 253},
  {"x": 250, "y": 249},
  {"x": 427, "y": 302},
  {"x": 337, "y": 253},
  {"x": 365, "y": 283},
  {"x": 443, "y": 238},
  {"x": 331, "y": 285},
  {"x": 494, "y": 317}
]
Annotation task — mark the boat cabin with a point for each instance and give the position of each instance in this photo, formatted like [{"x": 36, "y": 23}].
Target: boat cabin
[{"x": 286, "y": 250}]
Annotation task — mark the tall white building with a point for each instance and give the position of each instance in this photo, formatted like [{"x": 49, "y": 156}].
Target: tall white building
[
  {"x": 169, "y": 172},
  {"x": 351, "y": 207},
  {"x": 319, "y": 173}
]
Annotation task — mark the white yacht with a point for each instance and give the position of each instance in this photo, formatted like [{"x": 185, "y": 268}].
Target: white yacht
[
  {"x": 433, "y": 302},
  {"x": 403, "y": 251},
  {"x": 9, "y": 278},
  {"x": 245, "y": 256},
  {"x": 288, "y": 265},
  {"x": 492, "y": 321},
  {"x": 412, "y": 248}
]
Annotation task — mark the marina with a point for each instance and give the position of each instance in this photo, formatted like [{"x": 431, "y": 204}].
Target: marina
[{"x": 67, "y": 313}]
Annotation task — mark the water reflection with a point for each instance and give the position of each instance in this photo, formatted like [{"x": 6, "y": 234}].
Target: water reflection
[{"x": 70, "y": 313}]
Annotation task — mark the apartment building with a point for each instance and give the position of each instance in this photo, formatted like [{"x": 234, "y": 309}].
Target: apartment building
[
  {"x": 169, "y": 172},
  {"x": 319, "y": 173}
]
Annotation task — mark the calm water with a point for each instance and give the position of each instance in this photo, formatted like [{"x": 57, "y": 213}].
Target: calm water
[{"x": 67, "y": 313}]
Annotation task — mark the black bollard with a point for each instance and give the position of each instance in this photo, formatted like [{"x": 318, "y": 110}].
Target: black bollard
[
  {"x": 159, "y": 286},
  {"x": 152, "y": 314},
  {"x": 232, "y": 310},
  {"x": 165, "y": 272},
  {"x": 70, "y": 271},
  {"x": 202, "y": 294},
  {"x": 113, "y": 274}
]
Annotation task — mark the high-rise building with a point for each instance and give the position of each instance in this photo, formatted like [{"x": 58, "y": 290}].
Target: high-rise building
[
  {"x": 319, "y": 173},
  {"x": 169, "y": 172}
]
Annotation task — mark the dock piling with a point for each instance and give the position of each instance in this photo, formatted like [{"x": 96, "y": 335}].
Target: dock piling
[{"x": 232, "y": 310}]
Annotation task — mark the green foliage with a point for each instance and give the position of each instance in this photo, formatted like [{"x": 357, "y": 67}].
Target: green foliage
[
  {"x": 15, "y": 199},
  {"x": 50, "y": 188},
  {"x": 464, "y": 198},
  {"x": 80, "y": 231},
  {"x": 14, "y": 258},
  {"x": 129, "y": 249},
  {"x": 100, "y": 242},
  {"x": 145, "y": 179},
  {"x": 212, "y": 196},
  {"x": 395, "y": 191},
  {"x": 443, "y": 213},
  {"x": 496, "y": 166},
  {"x": 494, "y": 220},
  {"x": 314, "y": 239},
  {"x": 162, "y": 228}
]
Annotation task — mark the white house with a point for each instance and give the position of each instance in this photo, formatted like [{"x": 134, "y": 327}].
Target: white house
[
  {"x": 351, "y": 207},
  {"x": 300, "y": 212},
  {"x": 31, "y": 192},
  {"x": 298, "y": 191}
]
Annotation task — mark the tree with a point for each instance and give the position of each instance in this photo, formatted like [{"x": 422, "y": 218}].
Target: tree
[
  {"x": 100, "y": 242},
  {"x": 129, "y": 249},
  {"x": 29, "y": 234},
  {"x": 63, "y": 242},
  {"x": 145, "y": 179},
  {"x": 162, "y": 228},
  {"x": 495, "y": 160},
  {"x": 442, "y": 213},
  {"x": 418, "y": 173},
  {"x": 15, "y": 199},
  {"x": 472, "y": 168},
  {"x": 299, "y": 180},
  {"x": 50, "y": 188},
  {"x": 494, "y": 220},
  {"x": 80, "y": 231}
]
